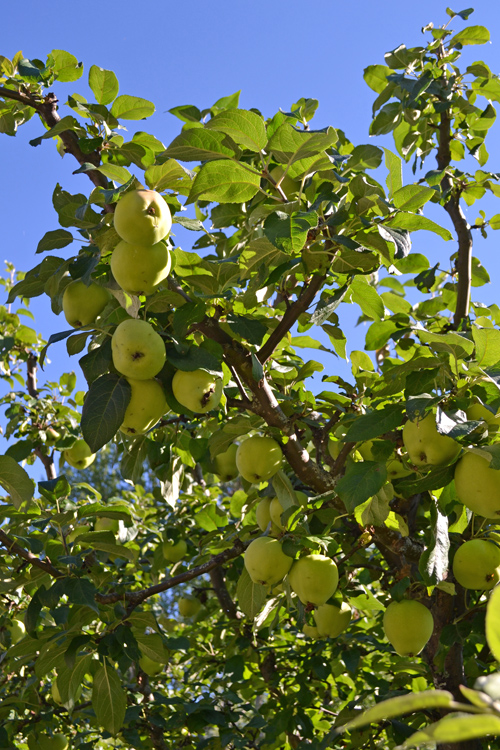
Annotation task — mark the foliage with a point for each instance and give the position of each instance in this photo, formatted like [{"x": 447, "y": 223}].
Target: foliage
[{"x": 261, "y": 288}]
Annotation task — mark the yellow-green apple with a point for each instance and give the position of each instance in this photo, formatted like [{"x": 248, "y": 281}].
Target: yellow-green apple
[
  {"x": 149, "y": 666},
  {"x": 142, "y": 217},
  {"x": 197, "y": 390},
  {"x": 275, "y": 511},
  {"x": 225, "y": 464},
  {"x": 55, "y": 741},
  {"x": 478, "y": 486},
  {"x": 314, "y": 578},
  {"x": 479, "y": 412},
  {"x": 265, "y": 561},
  {"x": 79, "y": 456},
  {"x": 310, "y": 631},
  {"x": 408, "y": 625},
  {"x": 188, "y": 606},
  {"x": 426, "y": 446},
  {"x": 263, "y": 516},
  {"x": 107, "y": 524},
  {"x": 138, "y": 350},
  {"x": 258, "y": 458},
  {"x": 16, "y": 629},
  {"x": 330, "y": 620},
  {"x": 146, "y": 406},
  {"x": 139, "y": 269},
  {"x": 82, "y": 304},
  {"x": 476, "y": 565},
  {"x": 174, "y": 552},
  {"x": 51, "y": 436}
]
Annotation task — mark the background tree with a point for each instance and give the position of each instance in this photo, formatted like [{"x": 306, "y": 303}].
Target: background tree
[{"x": 297, "y": 226}]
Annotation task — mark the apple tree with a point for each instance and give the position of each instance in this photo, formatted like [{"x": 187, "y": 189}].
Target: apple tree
[{"x": 267, "y": 560}]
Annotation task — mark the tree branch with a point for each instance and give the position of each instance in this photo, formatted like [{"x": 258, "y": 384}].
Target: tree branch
[
  {"x": 47, "y": 461},
  {"x": 220, "y": 588},
  {"x": 15, "y": 549}
]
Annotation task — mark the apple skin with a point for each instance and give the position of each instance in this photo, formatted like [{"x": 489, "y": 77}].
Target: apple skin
[
  {"x": 47, "y": 742},
  {"x": 476, "y": 565},
  {"x": 225, "y": 464},
  {"x": 265, "y": 561},
  {"x": 275, "y": 511},
  {"x": 107, "y": 524},
  {"x": 197, "y": 390},
  {"x": 425, "y": 446},
  {"x": 408, "y": 625},
  {"x": 138, "y": 350},
  {"x": 478, "y": 486},
  {"x": 79, "y": 456},
  {"x": 139, "y": 269},
  {"x": 142, "y": 217},
  {"x": 310, "y": 631},
  {"x": 188, "y": 606},
  {"x": 174, "y": 552},
  {"x": 314, "y": 578},
  {"x": 258, "y": 458},
  {"x": 263, "y": 517},
  {"x": 17, "y": 630},
  {"x": 479, "y": 412},
  {"x": 331, "y": 621},
  {"x": 82, "y": 304},
  {"x": 146, "y": 406},
  {"x": 150, "y": 667}
]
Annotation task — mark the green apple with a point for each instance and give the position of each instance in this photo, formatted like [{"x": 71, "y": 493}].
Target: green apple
[
  {"x": 82, "y": 304},
  {"x": 310, "y": 631},
  {"x": 79, "y": 456},
  {"x": 289, "y": 186},
  {"x": 146, "y": 406},
  {"x": 139, "y": 269},
  {"x": 54, "y": 741},
  {"x": 479, "y": 412},
  {"x": 225, "y": 464},
  {"x": 258, "y": 458},
  {"x": 263, "y": 517},
  {"x": 197, "y": 390},
  {"x": 476, "y": 565},
  {"x": 107, "y": 524},
  {"x": 275, "y": 511},
  {"x": 314, "y": 578},
  {"x": 331, "y": 621},
  {"x": 188, "y": 606},
  {"x": 174, "y": 552},
  {"x": 265, "y": 561},
  {"x": 16, "y": 629},
  {"x": 426, "y": 446},
  {"x": 149, "y": 666},
  {"x": 408, "y": 625},
  {"x": 478, "y": 486},
  {"x": 396, "y": 469},
  {"x": 142, "y": 217},
  {"x": 51, "y": 436},
  {"x": 138, "y": 350}
]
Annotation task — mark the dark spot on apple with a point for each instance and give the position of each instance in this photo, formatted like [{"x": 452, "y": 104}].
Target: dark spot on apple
[
  {"x": 206, "y": 396},
  {"x": 137, "y": 355},
  {"x": 423, "y": 457}
]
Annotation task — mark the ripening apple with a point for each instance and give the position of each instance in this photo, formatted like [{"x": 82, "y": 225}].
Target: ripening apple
[
  {"x": 138, "y": 350},
  {"x": 310, "y": 631},
  {"x": 408, "y": 625},
  {"x": 314, "y": 578},
  {"x": 149, "y": 666},
  {"x": 174, "y": 552},
  {"x": 188, "y": 606},
  {"x": 479, "y": 412},
  {"x": 258, "y": 458},
  {"x": 146, "y": 406},
  {"x": 197, "y": 390},
  {"x": 478, "y": 486},
  {"x": 265, "y": 561},
  {"x": 275, "y": 511},
  {"x": 263, "y": 517},
  {"x": 82, "y": 304},
  {"x": 225, "y": 463},
  {"x": 330, "y": 620},
  {"x": 426, "y": 446},
  {"x": 79, "y": 456},
  {"x": 16, "y": 629},
  {"x": 51, "y": 436},
  {"x": 55, "y": 741},
  {"x": 142, "y": 217},
  {"x": 476, "y": 565},
  {"x": 138, "y": 269}
]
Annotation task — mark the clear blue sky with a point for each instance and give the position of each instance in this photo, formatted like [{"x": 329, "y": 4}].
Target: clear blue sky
[{"x": 194, "y": 52}]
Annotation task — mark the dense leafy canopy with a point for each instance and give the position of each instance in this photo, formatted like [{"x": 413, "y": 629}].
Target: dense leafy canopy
[{"x": 288, "y": 223}]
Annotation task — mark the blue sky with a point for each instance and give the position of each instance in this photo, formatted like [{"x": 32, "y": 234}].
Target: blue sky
[{"x": 196, "y": 52}]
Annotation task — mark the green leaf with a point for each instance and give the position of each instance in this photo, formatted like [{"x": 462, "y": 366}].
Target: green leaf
[
  {"x": 414, "y": 222},
  {"x": 394, "y": 179},
  {"x": 244, "y": 127},
  {"x": 66, "y": 123},
  {"x": 376, "y": 423},
  {"x": 170, "y": 174},
  {"x": 367, "y": 297},
  {"x": 453, "y": 343},
  {"x": 376, "y": 77},
  {"x": 151, "y": 645},
  {"x": 362, "y": 480},
  {"x": 194, "y": 358},
  {"x": 132, "y": 108},
  {"x": 104, "y": 409},
  {"x": 252, "y": 330},
  {"x": 433, "y": 563},
  {"x": 97, "y": 362},
  {"x": 201, "y": 145},
  {"x": 225, "y": 182},
  {"x": 15, "y": 481},
  {"x": 66, "y": 66},
  {"x": 456, "y": 728},
  {"x": 487, "y": 341},
  {"x": 403, "y": 704},
  {"x": 289, "y": 144},
  {"x": 54, "y": 240},
  {"x": 108, "y": 698},
  {"x": 365, "y": 157},
  {"x": 470, "y": 35},
  {"x": 412, "y": 197},
  {"x": 104, "y": 84},
  {"x": 493, "y": 623},
  {"x": 284, "y": 490},
  {"x": 114, "y": 172},
  {"x": 251, "y": 596},
  {"x": 289, "y": 233}
]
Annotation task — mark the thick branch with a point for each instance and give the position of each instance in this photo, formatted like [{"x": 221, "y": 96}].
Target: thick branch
[
  {"x": 220, "y": 588},
  {"x": 15, "y": 549}
]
